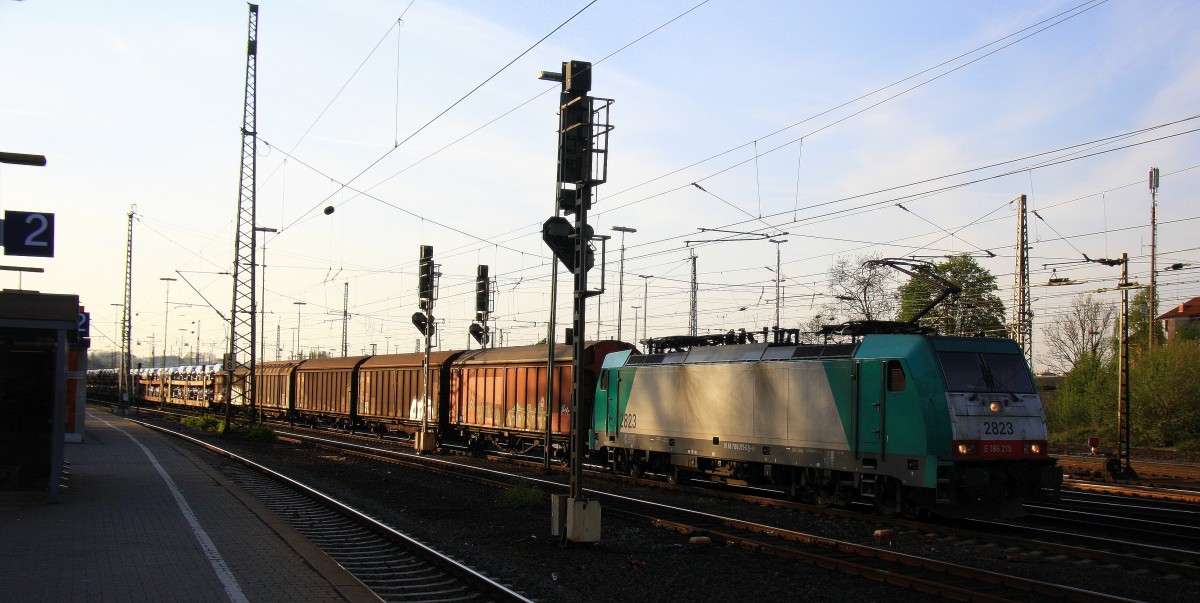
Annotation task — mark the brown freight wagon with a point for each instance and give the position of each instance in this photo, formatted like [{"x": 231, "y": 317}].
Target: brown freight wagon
[
  {"x": 391, "y": 388},
  {"x": 275, "y": 383},
  {"x": 326, "y": 388},
  {"x": 500, "y": 394}
]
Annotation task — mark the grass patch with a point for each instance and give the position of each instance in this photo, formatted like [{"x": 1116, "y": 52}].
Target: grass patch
[
  {"x": 261, "y": 433},
  {"x": 522, "y": 495},
  {"x": 1188, "y": 446},
  {"x": 203, "y": 423}
]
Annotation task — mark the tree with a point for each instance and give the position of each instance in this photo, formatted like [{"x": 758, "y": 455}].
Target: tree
[
  {"x": 1140, "y": 321},
  {"x": 1165, "y": 396},
  {"x": 1082, "y": 331},
  {"x": 976, "y": 309},
  {"x": 862, "y": 291}
]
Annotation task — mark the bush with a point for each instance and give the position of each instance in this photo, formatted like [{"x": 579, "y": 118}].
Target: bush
[
  {"x": 1165, "y": 394},
  {"x": 1164, "y": 384},
  {"x": 1086, "y": 401}
]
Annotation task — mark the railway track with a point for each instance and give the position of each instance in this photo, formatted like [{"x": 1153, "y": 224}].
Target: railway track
[
  {"x": 394, "y": 565},
  {"x": 1155, "y": 479},
  {"x": 1022, "y": 543},
  {"x": 878, "y": 563},
  {"x": 921, "y": 574}
]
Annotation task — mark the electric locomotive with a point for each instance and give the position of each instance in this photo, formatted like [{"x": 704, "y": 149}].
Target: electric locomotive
[{"x": 907, "y": 420}]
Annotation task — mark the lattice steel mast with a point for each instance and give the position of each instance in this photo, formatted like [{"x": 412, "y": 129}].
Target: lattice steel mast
[
  {"x": 693, "y": 322},
  {"x": 125, "y": 385},
  {"x": 242, "y": 324},
  {"x": 1022, "y": 322},
  {"x": 346, "y": 321}
]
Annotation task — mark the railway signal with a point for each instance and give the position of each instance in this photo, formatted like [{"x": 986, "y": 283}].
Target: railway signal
[
  {"x": 480, "y": 333},
  {"x": 426, "y": 277},
  {"x": 422, "y": 323},
  {"x": 483, "y": 305},
  {"x": 424, "y": 440},
  {"x": 560, "y": 237},
  {"x": 582, "y": 165}
]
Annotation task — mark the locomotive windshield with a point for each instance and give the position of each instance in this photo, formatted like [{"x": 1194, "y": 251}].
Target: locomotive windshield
[{"x": 974, "y": 372}]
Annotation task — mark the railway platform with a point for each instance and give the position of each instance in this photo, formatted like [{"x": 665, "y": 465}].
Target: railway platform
[{"x": 144, "y": 519}]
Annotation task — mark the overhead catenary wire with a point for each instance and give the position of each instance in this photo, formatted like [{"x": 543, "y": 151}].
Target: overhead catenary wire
[{"x": 443, "y": 112}]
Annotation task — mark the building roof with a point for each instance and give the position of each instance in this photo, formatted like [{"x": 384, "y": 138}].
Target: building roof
[{"x": 1188, "y": 309}]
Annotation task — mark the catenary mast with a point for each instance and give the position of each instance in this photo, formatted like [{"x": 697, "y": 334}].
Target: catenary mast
[{"x": 242, "y": 324}]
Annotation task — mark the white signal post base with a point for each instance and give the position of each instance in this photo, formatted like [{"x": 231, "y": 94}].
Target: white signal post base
[
  {"x": 424, "y": 441},
  {"x": 574, "y": 519}
]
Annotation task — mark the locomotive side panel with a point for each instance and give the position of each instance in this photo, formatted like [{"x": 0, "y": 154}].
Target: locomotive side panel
[{"x": 787, "y": 404}]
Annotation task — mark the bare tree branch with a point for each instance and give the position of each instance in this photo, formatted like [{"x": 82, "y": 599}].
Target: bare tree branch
[
  {"x": 862, "y": 292},
  {"x": 1082, "y": 332}
]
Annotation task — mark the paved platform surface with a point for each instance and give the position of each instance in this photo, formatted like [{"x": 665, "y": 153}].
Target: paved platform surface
[{"x": 144, "y": 519}]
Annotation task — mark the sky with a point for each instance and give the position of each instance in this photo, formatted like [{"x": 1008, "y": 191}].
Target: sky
[{"x": 850, "y": 128}]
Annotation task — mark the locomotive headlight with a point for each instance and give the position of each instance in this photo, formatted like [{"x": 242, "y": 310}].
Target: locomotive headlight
[
  {"x": 968, "y": 448},
  {"x": 995, "y": 407},
  {"x": 1033, "y": 448}
]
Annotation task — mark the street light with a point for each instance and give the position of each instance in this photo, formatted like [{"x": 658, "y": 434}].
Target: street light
[
  {"x": 645, "y": 303},
  {"x": 635, "y": 319},
  {"x": 621, "y": 279},
  {"x": 262, "y": 305},
  {"x": 117, "y": 328},
  {"x": 296, "y": 351},
  {"x": 167, "y": 318}
]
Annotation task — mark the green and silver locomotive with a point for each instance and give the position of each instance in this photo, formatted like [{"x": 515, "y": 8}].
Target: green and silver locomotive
[{"x": 909, "y": 421}]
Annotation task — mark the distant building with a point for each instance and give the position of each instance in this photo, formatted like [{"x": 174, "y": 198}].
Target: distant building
[{"x": 1184, "y": 317}]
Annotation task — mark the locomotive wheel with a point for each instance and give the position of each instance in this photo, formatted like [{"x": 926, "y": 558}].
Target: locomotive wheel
[
  {"x": 636, "y": 470},
  {"x": 886, "y": 503},
  {"x": 821, "y": 498},
  {"x": 676, "y": 476}
]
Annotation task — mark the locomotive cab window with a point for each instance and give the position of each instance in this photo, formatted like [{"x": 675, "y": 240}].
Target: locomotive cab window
[
  {"x": 975, "y": 372},
  {"x": 895, "y": 376},
  {"x": 604, "y": 380}
]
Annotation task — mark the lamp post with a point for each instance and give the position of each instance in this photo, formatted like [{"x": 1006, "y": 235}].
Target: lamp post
[
  {"x": 296, "y": 350},
  {"x": 262, "y": 305},
  {"x": 645, "y": 303},
  {"x": 117, "y": 329},
  {"x": 621, "y": 279},
  {"x": 635, "y": 320},
  {"x": 167, "y": 317}
]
